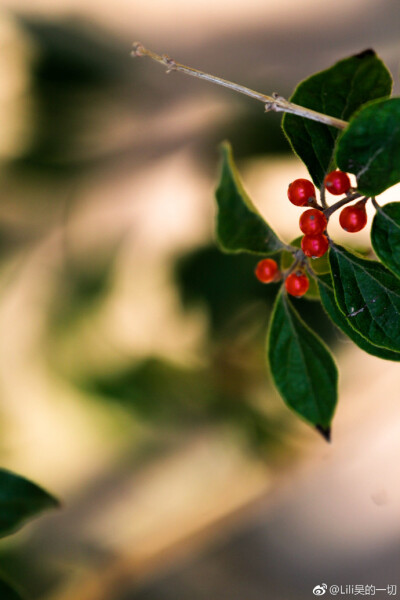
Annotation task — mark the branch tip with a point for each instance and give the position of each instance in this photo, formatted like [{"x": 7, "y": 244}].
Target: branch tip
[{"x": 138, "y": 49}]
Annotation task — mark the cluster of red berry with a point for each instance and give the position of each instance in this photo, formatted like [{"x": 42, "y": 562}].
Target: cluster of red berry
[
  {"x": 296, "y": 283},
  {"x": 313, "y": 223}
]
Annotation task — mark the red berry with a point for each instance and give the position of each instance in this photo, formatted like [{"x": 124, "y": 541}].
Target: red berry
[
  {"x": 267, "y": 270},
  {"x": 353, "y": 218},
  {"x": 337, "y": 182},
  {"x": 313, "y": 221},
  {"x": 314, "y": 246},
  {"x": 300, "y": 192},
  {"x": 297, "y": 284}
]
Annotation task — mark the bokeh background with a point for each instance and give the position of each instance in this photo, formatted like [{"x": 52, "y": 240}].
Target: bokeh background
[{"x": 133, "y": 380}]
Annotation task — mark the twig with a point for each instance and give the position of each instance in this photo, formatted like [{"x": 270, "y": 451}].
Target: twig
[
  {"x": 272, "y": 103},
  {"x": 375, "y": 204},
  {"x": 340, "y": 203},
  {"x": 323, "y": 197}
]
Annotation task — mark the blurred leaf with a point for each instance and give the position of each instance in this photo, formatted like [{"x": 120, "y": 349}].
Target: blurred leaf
[
  {"x": 84, "y": 279},
  {"x": 79, "y": 74},
  {"x": 338, "y": 92},
  {"x": 240, "y": 228},
  {"x": 251, "y": 134},
  {"x": 370, "y": 146},
  {"x": 224, "y": 285},
  {"x": 320, "y": 265},
  {"x": 73, "y": 54},
  {"x": 329, "y": 303},
  {"x": 7, "y": 592},
  {"x": 20, "y": 500},
  {"x": 156, "y": 390},
  {"x": 369, "y": 297},
  {"x": 385, "y": 236},
  {"x": 176, "y": 397},
  {"x": 235, "y": 302},
  {"x": 302, "y": 367}
]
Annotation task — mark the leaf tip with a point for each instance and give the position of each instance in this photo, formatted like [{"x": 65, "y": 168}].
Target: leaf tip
[
  {"x": 325, "y": 432},
  {"x": 225, "y": 147},
  {"x": 55, "y": 503},
  {"x": 365, "y": 53}
]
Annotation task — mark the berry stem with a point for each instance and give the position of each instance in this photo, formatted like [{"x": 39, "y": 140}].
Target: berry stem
[
  {"x": 272, "y": 103},
  {"x": 291, "y": 248},
  {"x": 314, "y": 204},
  {"x": 298, "y": 263},
  {"x": 311, "y": 271},
  {"x": 322, "y": 197},
  {"x": 374, "y": 203},
  {"x": 340, "y": 203}
]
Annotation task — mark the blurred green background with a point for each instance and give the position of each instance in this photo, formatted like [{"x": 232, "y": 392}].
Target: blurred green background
[{"x": 132, "y": 368}]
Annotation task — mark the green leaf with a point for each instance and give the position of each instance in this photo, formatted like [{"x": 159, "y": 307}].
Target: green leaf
[
  {"x": 20, "y": 500},
  {"x": 370, "y": 147},
  {"x": 385, "y": 236},
  {"x": 329, "y": 303},
  {"x": 302, "y": 367},
  {"x": 338, "y": 92},
  {"x": 368, "y": 295},
  {"x": 7, "y": 592},
  {"x": 240, "y": 227}
]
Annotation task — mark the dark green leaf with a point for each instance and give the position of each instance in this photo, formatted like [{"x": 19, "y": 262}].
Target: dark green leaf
[
  {"x": 7, "y": 592},
  {"x": 222, "y": 284},
  {"x": 240, "y": 228},
  {"x": 83, "y": 282},
  {"x": 370, "y": 146},
  {"x": 338, "y": 92},
  {"x": 385, "y": 236},
  {"x": 369, "y": 296},
  {"x": 20, "y": 500},
  {"x": 179, "y": 398},
  {"x": 302, "y": 367},
  {"x": 329, "y": 303}
]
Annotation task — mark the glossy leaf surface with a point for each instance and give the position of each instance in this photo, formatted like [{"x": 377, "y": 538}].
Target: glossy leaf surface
[
  {"x": 328, "y": 300},
  {"x": 338, "y": 92},
  {"x": 302, "y": 367},
  {"x": 370, "y": 147},
  {"x": 385, "y": 236},
  {"x": 240, "y": 227},
  {"x": 369, "y": 297}
]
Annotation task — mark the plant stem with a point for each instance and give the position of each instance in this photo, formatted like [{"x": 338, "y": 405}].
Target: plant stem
[
  {"x": 272, "y": 103},
  {"x": 340, "y": 203},
  {"x": 323, "y": 197},
  {"x": 375, "y": 204}
]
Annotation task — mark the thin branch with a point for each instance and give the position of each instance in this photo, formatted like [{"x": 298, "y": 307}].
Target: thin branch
[
  {"x": 323, "y": 197},
  {"x": 341, "y": 203},
  {"x": 272, "y": 103},
  {"x": 375, "y": 204}
]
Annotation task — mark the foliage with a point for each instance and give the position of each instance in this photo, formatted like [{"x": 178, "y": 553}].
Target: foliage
[
  {"x": 7, "y": 592},
  {"x": 338, "y": 92},
  {"x": 302, "y": 367},
  {"x": 385, "y": 235},
  {"x": 20, "y": 500},
  {"x": 370, "y": 147},
  {"x": 239, "y": 226},
  {"x": 361, "y": 297}
]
